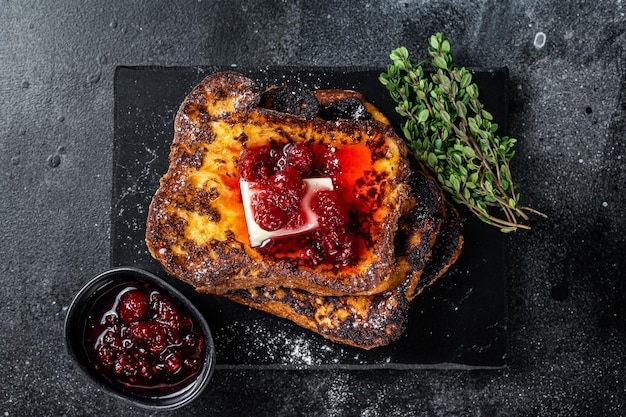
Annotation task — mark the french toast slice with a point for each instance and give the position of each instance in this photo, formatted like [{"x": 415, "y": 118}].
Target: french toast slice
[
  {"x": 428, "y": 241},
  {"x": 196, "y": 227}
]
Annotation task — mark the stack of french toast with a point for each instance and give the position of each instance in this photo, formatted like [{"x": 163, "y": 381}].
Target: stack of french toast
[{"x": 403, "y": 233}]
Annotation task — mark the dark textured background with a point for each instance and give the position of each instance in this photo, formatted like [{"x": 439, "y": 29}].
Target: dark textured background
[{"x": 567, "y": 308}]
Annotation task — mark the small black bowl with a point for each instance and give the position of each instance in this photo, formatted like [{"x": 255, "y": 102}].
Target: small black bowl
[{"x": 76, "y": 329}]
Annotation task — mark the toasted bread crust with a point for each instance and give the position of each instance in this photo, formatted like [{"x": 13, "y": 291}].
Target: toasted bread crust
[
  {"x": 195, "y": 225},
  {"x": 361, "y": 321},
  {"x": 445, "y": 253}
]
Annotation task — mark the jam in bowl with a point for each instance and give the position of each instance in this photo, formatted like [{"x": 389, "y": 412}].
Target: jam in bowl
[{"x": 140, "y": 339}]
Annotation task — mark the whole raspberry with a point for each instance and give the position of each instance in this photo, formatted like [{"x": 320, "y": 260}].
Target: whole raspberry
[{"x": 133, "y": 306}]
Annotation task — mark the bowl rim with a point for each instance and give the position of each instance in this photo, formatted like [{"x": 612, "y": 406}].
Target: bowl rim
[{"x": 76, "y": 315}]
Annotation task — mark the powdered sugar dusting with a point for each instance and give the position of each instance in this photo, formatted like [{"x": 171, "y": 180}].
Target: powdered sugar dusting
[
  {"x": 301, "y": 351},
  {"x": 275, "y": 344},
  {"x": 272, "y": 342}
]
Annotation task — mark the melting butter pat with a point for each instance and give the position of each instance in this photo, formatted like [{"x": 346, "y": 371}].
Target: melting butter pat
[{"x": 259, "y": 236}]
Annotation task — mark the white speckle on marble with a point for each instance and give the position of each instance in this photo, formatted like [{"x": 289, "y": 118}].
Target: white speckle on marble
[{"x": 540, "y": 40}]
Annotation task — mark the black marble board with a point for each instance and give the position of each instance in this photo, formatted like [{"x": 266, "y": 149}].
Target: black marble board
[{"x": 459, "y": 322}]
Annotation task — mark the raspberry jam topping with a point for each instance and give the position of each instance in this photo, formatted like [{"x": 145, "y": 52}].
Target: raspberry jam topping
[
  {"x": 140, "y": 338},
  {"x": 277, "y": 174},
  {"x": 277, "y": 205}
]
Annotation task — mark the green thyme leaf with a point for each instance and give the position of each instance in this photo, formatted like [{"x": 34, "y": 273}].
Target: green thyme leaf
[
  {"x": 423, "y": 116},
  {"x": 440, "y": 62}
]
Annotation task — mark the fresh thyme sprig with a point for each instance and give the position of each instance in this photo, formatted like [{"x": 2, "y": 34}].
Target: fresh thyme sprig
[{"x": 450, "y": 131}]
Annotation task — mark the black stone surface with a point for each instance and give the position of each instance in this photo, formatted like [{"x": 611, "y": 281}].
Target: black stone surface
[
  {"x": 567, "y": 106},
  {"x": 461, "y": 322}
]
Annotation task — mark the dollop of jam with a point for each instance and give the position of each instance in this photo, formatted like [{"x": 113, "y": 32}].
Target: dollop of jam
[
  {"x": 140, "y": 338},
  {"x": 278, "y": 171}
]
